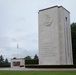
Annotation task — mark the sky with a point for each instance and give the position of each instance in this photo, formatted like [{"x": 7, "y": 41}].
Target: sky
[{"x": 19, "y": 25}]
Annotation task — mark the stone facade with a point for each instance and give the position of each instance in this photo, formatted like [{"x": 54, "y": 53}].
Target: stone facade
[
  {"x": 55, "y": 36},
  {"x": 18, "y": 62}
]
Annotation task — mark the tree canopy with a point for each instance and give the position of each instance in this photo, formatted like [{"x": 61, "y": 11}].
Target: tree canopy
[
  {"x": 28, "y": 58},
  {"x": 1, "y": 59},
  {"x": 36, "y": 57},
  {"x": 73, "y": 33}
]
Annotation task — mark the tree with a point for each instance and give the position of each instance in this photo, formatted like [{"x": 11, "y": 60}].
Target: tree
[
  {"x": 6, "y": 60},
  {"x": 14, "y": 58},
  {"x": 73, "y": 33},
  {"x": 1, "y": 59},
  {"x": 28, "y": 58},
  {"x": 36, "y": 57}
]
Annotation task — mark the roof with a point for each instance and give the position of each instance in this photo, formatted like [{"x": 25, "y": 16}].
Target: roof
[
  {"x": 53, "y": 7},
  {"x": 17, "y": 59}
]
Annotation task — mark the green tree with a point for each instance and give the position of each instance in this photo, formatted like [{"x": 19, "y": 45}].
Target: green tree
[
  {"x": 73, "y": 33},
  {"x": 14, "y": 58},
  {"x": 36, "y": 57},
  {"x": 28, "y": 58},
  {"x": 1, "y": 59},
  {"x": 6, "y": 60}
]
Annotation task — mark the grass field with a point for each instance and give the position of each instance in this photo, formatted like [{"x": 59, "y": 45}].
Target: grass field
[{"x": 35, "y": 73}]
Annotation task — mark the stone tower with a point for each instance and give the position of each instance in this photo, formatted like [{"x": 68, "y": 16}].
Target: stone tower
[{"x": 55, "y": 36}]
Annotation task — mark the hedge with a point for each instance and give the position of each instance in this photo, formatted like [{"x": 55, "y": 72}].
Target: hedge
[
  {"x": 50, "y": 66},
  {"x": 32, "y": 61},
  {"x": 3, "y": 65}
]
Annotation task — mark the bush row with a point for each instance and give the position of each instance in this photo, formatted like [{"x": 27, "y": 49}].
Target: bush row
[
  {"x": 32, "y": 61},
  {"x": 74, "y": 61},
  {"x": 4, "y": 65},
  {"x": 50, "y": 66}
]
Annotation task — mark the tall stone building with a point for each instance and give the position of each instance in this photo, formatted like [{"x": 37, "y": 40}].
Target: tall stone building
[{"x": 55, "y": 36}]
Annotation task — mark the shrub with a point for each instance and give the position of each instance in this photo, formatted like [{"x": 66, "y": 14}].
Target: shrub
[{"x": 32, "y": 61}]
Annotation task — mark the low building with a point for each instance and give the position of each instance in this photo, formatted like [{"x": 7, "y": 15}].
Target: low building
[{"x": 18, "y": 62}]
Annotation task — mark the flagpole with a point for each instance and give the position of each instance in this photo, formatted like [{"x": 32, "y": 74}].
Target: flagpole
[{"x": 17, "y": 50}]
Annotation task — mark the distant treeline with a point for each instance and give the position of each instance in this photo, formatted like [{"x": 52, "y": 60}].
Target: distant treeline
[
  {"x": 73, "y": 33},
  {"x": 29, "y": 60},
  {"x": 4, "y": 63}
]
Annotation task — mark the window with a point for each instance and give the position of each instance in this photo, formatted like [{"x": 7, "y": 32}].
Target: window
[
  {"x": 66, "y": 18},
  {"x": 17, "y": 63}
]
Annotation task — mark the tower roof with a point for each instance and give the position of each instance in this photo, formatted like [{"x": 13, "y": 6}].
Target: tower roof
[{"x": 53, "y": 7}]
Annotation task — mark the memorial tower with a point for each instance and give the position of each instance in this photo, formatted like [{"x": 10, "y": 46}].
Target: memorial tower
[{"x": 55, "y": 46}]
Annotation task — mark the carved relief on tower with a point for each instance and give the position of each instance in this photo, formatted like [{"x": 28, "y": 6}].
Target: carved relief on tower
[{"x": 48, "y": 20}]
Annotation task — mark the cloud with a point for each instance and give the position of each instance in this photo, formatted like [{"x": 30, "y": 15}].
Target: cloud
[
  {"x": 19, "y": 23},
  {"x": 14, "y": 52}
]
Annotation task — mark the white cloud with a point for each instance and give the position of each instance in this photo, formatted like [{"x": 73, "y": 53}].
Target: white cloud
[{"x": 19, "y": 22}]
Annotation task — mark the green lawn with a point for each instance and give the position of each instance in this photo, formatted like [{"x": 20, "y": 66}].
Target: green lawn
[{"x": 35, "y": 73}]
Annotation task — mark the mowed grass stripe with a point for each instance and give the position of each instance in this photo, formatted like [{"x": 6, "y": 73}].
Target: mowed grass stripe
[{"x": 35, "y": 73}]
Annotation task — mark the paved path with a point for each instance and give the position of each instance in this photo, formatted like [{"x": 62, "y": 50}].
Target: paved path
[{"x": 34, "y": 69}]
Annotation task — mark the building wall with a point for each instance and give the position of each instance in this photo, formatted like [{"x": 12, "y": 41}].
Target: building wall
[
  {"x": 22, "y": 62},
  {"x": 48, "y": 37},
  {"x": 54, "y": 37},
  {"x": 65, "y": 37}
]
